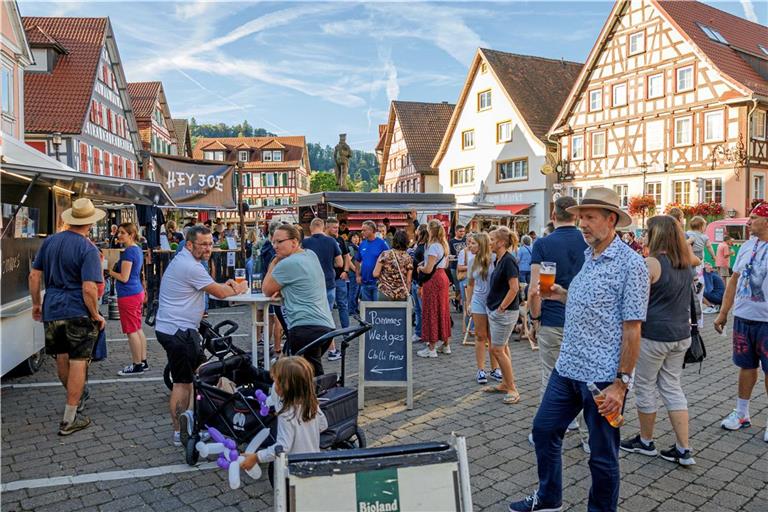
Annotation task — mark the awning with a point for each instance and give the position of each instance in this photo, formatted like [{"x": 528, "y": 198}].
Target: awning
[
  {"x": 354, "y": 206},
  {"x": 21, "y": 163},
  {"x": 489, "y": 213},
  {"x": 513, "y": 209}
]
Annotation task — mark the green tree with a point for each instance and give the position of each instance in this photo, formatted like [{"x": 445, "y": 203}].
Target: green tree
[{"x": 320, "y": 181}]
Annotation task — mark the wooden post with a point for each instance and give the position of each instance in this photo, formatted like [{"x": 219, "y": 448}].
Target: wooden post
[{"x": 241, "y": 209}]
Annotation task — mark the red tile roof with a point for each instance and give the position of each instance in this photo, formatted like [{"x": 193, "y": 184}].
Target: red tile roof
[
  {"x": 295, "y": 150},
  {"x": 423, "y": 126},
  {"x": 143, "y": 98},
  {"x": 741, "y": 34},
  {"x": 59, "y": 101}
]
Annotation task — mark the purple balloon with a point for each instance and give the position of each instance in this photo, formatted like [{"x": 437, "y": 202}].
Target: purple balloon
[
  {"x": 223, "y": 463},
  {"x": 233, "y": 455}
]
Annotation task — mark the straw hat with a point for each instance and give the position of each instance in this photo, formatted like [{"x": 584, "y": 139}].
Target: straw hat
[
  {"x": 605, "y": 199},
  {"x": 82, "y": 213}
]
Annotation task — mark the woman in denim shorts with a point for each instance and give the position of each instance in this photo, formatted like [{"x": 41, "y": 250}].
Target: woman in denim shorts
[{"x": 478, "y": 284}]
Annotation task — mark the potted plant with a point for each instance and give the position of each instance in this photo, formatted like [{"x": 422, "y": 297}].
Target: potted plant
[
  {"x": 641, "y": 205},
  {"x": 709, "y": 210}
]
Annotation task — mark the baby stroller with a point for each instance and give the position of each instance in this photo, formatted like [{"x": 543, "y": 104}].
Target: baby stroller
[
  {"x": 214, "y": 344},
  {"x": 237, "y": 414}
]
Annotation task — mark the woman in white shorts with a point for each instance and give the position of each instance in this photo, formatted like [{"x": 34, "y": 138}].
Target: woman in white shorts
[{"x": 478, "y": 282}]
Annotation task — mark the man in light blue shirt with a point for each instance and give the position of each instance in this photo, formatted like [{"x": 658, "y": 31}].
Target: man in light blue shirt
[{"x": 605, "y": 306}]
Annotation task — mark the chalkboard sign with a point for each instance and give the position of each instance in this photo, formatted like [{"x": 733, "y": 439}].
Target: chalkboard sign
[
  {"x": 385, "y": 354},
  {"x": 18, "y": 254}
]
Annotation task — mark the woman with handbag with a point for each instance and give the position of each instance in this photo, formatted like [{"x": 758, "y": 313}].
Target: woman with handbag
[
  {"x": 436, "y": 314},
  {"x": 394, "y": 269},
  {"x": 420, "y": 246},
  {"x": 666, "y": 335}
]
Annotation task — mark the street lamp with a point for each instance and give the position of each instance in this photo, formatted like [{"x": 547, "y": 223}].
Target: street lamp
[
  {"x": 731, "y": 212},
  {"x": 56, "y": 141}
]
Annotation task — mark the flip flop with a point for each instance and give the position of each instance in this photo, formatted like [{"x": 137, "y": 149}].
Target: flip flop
[
  {"x": 512, "y": 398},
  {"x": 495, "y": 389}
]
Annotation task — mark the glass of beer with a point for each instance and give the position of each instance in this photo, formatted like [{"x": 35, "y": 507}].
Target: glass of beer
[
  {"x": 547, "y": 276},
  {"x": 239, "y": 275}
]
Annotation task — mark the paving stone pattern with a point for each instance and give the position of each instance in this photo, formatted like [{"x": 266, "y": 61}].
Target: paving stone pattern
[{"x": 131, "y": 430}]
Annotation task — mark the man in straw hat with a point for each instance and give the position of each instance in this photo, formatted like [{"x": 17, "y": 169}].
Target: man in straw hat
[
  {"x": 605, "y": 306},
  {"x": 69, "y": 265}
]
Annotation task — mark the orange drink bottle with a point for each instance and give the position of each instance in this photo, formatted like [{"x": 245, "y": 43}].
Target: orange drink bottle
[{"x": 616, "y": 419}]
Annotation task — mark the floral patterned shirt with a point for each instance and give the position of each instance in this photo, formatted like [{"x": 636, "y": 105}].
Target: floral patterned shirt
[
  {"x": 608, "y": 291},
  {"x": 390, "y": 282}
]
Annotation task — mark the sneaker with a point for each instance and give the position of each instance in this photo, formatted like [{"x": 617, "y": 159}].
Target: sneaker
[
  {"x": 177, "y": 439},
  {"x": 79, "y": 423},
  {"x": 425, "y": 352},
  {"x": 711, "y": 310},
  {"x": 574, "y": 425},
  {"x": 585, "y": 446},
  {"x": 530, "y": 439},
  {"x": 765, "y": 436},
  {"x": 674, "y": 455},
  {"x": 531, "y": 504},
  {"x": 145, "y": 366},
  {"x": 444, "y": 348},
  {"x": 496, "y": 374},
  {"x": 131, "y": 369},
  {"x": 636, "y": 445},
  {"x": 416, "y": 338},
  {"x": 735, "y": 421},
  {"x": 481, "y": 377},
  {"x": 186, "y": 423},
  {"x": 334, "y": 355},
  {"x": 83, "y": 398}
]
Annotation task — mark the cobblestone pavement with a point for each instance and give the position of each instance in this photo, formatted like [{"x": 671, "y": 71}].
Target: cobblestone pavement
[{"x": 131, "y": 431}]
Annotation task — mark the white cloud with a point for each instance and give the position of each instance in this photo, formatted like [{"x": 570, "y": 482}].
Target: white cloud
[
  {"x": 749, "y": 10},
  {"x": 192, "y": 9}
]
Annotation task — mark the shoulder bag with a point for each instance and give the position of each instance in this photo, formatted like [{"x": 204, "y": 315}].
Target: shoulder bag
[
  {"x": 696, "y": 353},
  {"x": 423, "y": 277}
]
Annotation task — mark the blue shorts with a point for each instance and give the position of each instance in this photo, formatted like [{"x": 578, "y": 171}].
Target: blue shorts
[{"x": 750, "y": 344}]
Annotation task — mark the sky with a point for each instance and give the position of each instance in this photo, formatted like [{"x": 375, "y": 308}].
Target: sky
[{"x": 323, "y": 68}]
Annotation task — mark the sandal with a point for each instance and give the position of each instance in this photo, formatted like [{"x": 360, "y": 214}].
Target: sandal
[
  {"x": 512, "y": 398},
  {"x": 496, "y": 390}
]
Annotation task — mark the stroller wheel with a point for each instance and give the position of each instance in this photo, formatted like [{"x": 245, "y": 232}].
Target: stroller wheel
[
  {"x": 360, "y": 437},
  {"x": 167, "y": 377},
  {"x": 190, "y": 452}
]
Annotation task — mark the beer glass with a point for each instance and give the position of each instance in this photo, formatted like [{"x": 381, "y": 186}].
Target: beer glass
[
  {"x": 239, "y": 275},
  {"x": 547, "y": 276}
]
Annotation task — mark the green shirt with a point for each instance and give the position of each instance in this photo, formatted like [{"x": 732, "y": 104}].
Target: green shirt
[{"x": 302, "y": 283}]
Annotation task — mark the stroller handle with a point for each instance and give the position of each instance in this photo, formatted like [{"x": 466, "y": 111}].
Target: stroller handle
[
  {"x": 232, "y": 327},
  {"x": 349, "y": 333}
]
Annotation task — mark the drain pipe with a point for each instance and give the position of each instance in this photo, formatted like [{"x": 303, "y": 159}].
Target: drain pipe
[{"x": 748, "y": 200}]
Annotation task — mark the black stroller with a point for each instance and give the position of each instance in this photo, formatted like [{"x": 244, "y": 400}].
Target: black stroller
[{"x": 237, "y": 414}]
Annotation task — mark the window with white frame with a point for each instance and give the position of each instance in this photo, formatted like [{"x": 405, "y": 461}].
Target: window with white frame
[
  {"x": 595, "y": 100},
  {"x": 484, "y": 100},
  {"x": 712, "y": 33},
  {"x": 577, "y": 147},
  {"x": 684, "y": 79},
  {"x": 218, "y": 155},
  {"x": 758, "y": 128},
  {"x": 468, "y": 139},
  {"x": 598, "y": 144},
  {"x": 681, "y": 191},
  {"x": 465, "y": 176},
  {"x": 7, "y": 82},
  {"x": 242, "y": 156},
  {"x": 758, "y": 186},
  {"x": 654, "y": 190},
  {"x": 637, "y": 43},
  {"x": 266, "y": 156},
  {"x": 504, "y": 131},
  {"x": 277, "y": 156},
  {"x": 619, "y": 95},
  {"x": 655, "y": 86},
  {"x": 577, "y": 193},
  {"x": 208, "y": 155},
  {"x": 623, "y": 192},
  {"x": 654, "y": 135},
  {"x": 714, "y": 126},
  {"x": 712, "y": 190},
  {"x": 684, "y": 131},
  {"x": 512, "y": 170}
]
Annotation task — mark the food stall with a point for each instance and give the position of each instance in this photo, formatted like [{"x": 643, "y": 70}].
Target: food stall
[{"x": 34, "y": 190}]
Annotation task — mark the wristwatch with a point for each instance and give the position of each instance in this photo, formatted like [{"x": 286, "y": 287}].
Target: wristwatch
[{"x": 625, "y": 378}]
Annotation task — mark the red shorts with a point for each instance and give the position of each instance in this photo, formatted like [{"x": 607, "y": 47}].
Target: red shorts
[{"x": 130, "y": 312}]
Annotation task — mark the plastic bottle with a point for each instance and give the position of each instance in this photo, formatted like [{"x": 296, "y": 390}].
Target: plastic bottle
[{"x": 616, "y": 419}]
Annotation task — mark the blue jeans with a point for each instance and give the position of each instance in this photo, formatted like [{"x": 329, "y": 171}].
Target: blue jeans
[
  {"x": 354, "y": 288},
  {"x": 342, "y": 302},
  {"x": 416, "y": 308},
  {"x": 562, "y": 401},
  {"x": 369, "y": 291}
]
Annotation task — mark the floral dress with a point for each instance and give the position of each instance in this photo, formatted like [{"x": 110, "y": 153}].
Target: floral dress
[{"x": 393, "y": 282}]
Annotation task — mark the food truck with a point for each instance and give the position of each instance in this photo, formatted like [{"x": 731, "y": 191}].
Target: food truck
[
  {"x": 735, "y": 228},
  {"x": 34, "y": 190}
]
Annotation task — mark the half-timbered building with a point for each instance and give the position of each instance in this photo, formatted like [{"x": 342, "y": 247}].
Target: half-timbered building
[
  {"x": 410, "y": 141},
  {"x": 76, "y": 103},
  {"x": 671, "y": 104},
  {"x": 15, "y": 56},
  {"x": 275, "y": 170},
  {"x": 153, "y": 117},
  {"x": 183, "y": 138}
]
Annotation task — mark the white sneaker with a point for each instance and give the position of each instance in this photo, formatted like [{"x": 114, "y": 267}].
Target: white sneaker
[
  {"x": 735, "y": 421},
  {"x": 711, "y": 310},
  {"x": 425, "y": 352},
  {"x": 444, "y": 348},
  {"x": 765, "y": 436},
  {"x": 574, "y": 425}
]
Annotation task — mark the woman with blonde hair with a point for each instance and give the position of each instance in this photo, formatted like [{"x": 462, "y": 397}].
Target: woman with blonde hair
[
  {"x": 665, "y": 337},
  {"x": 502, "y": 303},
  {"x": 436, "y": 315},
  {"x": 479, "y": 276}
]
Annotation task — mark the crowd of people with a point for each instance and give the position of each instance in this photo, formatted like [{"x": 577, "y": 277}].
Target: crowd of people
[{"x": 604, "y": 309}]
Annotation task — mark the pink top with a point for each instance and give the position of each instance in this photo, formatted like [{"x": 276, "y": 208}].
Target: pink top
[{"x": 723, "y": 256}]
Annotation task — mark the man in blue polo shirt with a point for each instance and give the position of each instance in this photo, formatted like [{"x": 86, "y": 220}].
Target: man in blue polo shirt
[
  {"x": 365, "y": 260},
  {"x": 328, "y": 252}
]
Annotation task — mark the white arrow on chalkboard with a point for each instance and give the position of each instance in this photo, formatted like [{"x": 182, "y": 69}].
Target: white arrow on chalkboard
[{"x": 378, "y": 370}]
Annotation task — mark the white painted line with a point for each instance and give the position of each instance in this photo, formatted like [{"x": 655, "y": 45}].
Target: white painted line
[
  {"x": 102, "y": 381},
  {"x": 103, "y": 477}
]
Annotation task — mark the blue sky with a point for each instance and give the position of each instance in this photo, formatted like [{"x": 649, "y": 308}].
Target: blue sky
[{"x": 323, "y": 68}]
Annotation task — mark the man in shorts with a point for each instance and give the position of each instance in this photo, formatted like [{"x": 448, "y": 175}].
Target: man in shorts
[
  {"x": 69, "y": 265},
  {"x": 747, "y": 292},
  {"x": 180, "y": 310}
]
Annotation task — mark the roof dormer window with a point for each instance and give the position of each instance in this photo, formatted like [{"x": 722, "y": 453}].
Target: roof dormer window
[
  {"x": 712, "y": 34},
  {"x": 763, "y": 48}
]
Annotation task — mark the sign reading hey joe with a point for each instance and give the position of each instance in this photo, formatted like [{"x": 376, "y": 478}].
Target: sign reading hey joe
[{"x": 196, "y": 184}]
